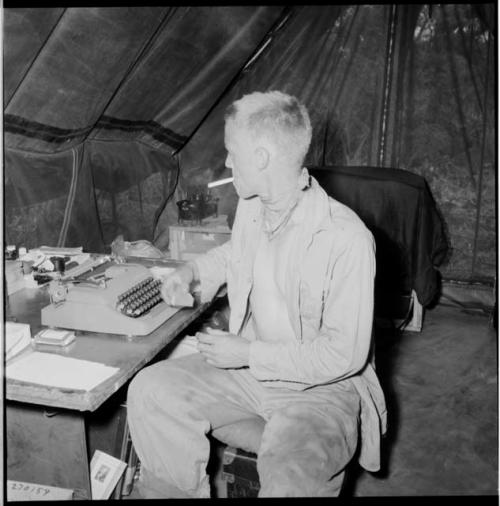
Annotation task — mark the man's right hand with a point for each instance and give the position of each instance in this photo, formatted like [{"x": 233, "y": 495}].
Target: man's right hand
[{"x": 176, "y": 286}]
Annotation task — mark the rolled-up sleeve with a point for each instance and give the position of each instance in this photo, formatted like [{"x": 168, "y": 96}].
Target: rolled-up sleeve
[
  {"x": 212, "y": 269},
  {"x": 342, "y": 345}
]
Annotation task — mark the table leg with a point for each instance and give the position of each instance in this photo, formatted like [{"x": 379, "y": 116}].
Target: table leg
[{"x": 47, "y": 447}]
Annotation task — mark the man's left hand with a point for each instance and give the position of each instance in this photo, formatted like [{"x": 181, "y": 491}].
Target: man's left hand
[{"x": 222, "y": 349}]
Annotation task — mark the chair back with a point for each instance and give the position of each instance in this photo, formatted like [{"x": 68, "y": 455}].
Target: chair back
[{"x": 398, "y": 208}]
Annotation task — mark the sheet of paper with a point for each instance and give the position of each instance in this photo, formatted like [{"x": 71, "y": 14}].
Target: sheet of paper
[
  {"x": 54, "y": 250},
  {"x": 185, "y": 346},
  {"x": 58, "y": 371},
  {"x": 24, "y": 491}
]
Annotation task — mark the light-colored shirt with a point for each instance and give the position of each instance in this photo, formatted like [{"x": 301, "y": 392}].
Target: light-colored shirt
[
  {"x": 328, "y": 290},
  {"x": 269, "y": 319}
]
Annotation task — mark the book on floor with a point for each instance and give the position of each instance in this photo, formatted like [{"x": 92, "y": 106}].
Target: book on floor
[{"x": 105, "y": 471}]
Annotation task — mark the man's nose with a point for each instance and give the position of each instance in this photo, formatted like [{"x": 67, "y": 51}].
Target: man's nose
[{"x": 228, "y": 163}]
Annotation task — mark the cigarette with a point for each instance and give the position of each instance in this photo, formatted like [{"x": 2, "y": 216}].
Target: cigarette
[{"x": 220, "y": 182}]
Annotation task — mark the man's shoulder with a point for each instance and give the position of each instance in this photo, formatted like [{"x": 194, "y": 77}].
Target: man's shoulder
[
  {"x": 334, "y": 222},
  {"x": 343, "y": 221}
]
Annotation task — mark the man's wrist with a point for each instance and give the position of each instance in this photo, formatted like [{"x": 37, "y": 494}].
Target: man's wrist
[{"x": 195, "y": 273}]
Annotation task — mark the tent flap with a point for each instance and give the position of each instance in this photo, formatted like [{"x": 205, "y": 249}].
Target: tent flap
[{"x": 110, "y": 110}]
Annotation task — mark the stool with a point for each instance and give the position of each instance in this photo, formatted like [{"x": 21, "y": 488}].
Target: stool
[{"x": 239, "y": 471}]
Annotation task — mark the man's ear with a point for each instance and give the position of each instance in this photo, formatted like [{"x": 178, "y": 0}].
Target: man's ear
[{"x": 262, "y": 156}]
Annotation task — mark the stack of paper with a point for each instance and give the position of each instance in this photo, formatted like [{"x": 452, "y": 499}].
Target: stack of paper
[
  {"x": 14, "y": 278},
  {"x": 59, "y": 371},
  {"x": 50, "y": 250},
  {"x": 17, "y": 338}
]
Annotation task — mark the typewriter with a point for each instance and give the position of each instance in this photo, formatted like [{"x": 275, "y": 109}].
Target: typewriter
[{"x": 121, "y": 299}]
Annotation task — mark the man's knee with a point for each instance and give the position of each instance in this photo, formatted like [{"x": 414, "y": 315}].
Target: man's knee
[
  {"x": 301, "y": 454},
  {"x": 152, "y": 383},
  {"x": 138, "y": 389}
]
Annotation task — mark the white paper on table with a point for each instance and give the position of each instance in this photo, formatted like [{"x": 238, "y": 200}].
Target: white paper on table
[
  {"x": 54, "y": 250},
  {"x": 185, "y": 346},
  {"x": 17, "y": 338},
  {"x": 58, "y": 371}
]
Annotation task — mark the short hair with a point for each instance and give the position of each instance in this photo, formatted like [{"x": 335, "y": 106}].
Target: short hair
[{"x": 277, "y": 116}]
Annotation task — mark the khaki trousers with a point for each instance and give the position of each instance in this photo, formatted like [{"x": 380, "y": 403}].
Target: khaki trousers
[{"x": 309, "y": 436}]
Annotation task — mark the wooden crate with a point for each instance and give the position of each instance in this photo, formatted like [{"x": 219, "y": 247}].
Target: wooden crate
[
  {"x": 188, "y": 241},
  {"x": 240, "y": 473}
]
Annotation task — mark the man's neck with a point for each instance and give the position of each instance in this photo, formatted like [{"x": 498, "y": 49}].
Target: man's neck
[{"x": 278, "y": 204}]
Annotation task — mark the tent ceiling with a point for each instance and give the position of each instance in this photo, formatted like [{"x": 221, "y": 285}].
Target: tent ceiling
[
  {"x": 121, "y": 73},
  {"x": 113, "y": 114}
]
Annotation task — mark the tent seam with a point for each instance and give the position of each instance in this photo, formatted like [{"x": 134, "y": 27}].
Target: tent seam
[{"x": 69, "y": 203}]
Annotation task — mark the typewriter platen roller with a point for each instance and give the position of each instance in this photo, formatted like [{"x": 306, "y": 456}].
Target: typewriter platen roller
[{"x": 126, "y": 301}]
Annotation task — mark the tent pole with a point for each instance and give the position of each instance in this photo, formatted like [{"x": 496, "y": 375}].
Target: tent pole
[
  {"x": 391, "y": 36},
  {"x": 481, "y": 164},
  {"x": 71, "y": 197}
]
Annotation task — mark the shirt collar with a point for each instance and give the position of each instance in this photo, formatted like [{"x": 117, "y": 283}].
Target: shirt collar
[{"x": 294, "y": 211}]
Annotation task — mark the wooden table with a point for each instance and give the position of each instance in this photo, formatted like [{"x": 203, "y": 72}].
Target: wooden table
[{"x": 46, "y": 426}]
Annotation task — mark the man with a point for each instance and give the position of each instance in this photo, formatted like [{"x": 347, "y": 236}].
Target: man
[{"x": 300, "y": 273}]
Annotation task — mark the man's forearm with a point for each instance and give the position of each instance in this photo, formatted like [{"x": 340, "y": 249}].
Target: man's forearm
[{"x": 210, "y": 270}]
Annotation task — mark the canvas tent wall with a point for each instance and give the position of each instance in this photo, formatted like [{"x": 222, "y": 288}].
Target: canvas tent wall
[{"x": 112, "y": 114}]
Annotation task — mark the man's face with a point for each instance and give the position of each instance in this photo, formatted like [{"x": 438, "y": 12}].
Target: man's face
[{"x": 241, "y": 159}]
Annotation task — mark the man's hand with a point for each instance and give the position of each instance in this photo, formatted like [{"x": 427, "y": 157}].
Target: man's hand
[
  {"x": 222, "y": 349},
  {"x": 176, "y": 285}
]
